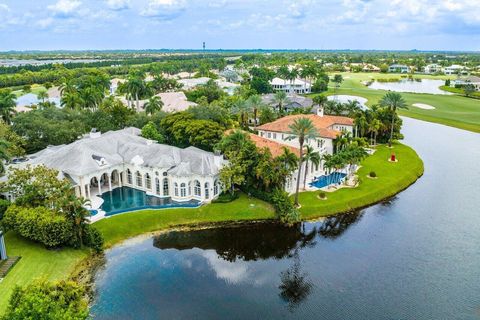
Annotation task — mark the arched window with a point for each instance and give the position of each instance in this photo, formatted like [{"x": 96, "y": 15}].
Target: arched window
[
  {"x": 215, "y": 188},
  {"x": 197, "y": 188},
  {"x": 148, "y": 181},
  {"x": 129, "y": 176},
  {"x": 165, "y": 187},
  {"x": 157, "y": 186},
  {"x": 138, "y": 176},
  {"x": 183, "y": 190},
  {"x": 176, "y": 189},
  {"x": 207, "y": 190},
  {"x": 190, "y": 188}
]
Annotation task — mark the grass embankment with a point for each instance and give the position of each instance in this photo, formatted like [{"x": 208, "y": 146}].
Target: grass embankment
[
  {"x": 392, "y": 177},
  {"x": 459, "y": 91},
  {"x": 451, "y": 110},
  {"x": 38, "y": 262}
]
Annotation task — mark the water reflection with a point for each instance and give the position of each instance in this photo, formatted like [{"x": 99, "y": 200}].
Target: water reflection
[
  {"x": 334, "y": 227},
  {"x": 295, "y": 285}
]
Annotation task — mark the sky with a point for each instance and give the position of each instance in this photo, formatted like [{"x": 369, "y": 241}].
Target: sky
[{"x": 240, "y": 24}]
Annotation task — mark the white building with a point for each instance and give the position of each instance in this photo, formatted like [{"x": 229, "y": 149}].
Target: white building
[
  {"x": 98, "y": 163},
  {"x": 295, "y": 86},
  {"x": 328, "y": 128},
  {"x": 473, "y": 80},
  {"x": 455, "y": 69},
  {"x": 398, "y": 68},
  {"x": 172, "y": 102},
  {"x": 433, "y": 68}
]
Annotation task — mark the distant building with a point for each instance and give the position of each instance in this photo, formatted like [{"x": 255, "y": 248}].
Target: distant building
[
  {"x": 433, "y": 68},
  {"x": 296, "y": 86},
  {"x": 473, "y": 80},
  {"x": 294, "y": 101},
  {"x": 192, "y": 83},
  {"x": 399, "y": 68},
  {"x": 455, "y": 69}
]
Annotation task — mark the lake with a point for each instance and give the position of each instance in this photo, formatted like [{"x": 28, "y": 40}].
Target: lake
[
  {"x": 32, "y": 62},
  {"x": 414, "y": 86},
  {"x": 415, "y": 256}
]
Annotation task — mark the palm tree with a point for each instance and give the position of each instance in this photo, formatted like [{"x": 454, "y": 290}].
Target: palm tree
[
  {"x": 301, "y": 129},
  {"x": 74, "y": 209},
  {"x": 42, "y": 95},
  {"x": 254, "y": 103},
  {"x": 374, "y": 127},
  {"x": 70, "y": 100},
  {"x": 393, "y": 101},
  {"x": 135, "y": 86},
  {"x": 4, "y": 154},
  {"x": 241, "y": 108},
  {"x": 67, "y": 87},
  {"x": 281, "y": 99},
  {"x": 153, "y": 105},
  {"x": 310, "y": 156},
  {"x": 7, "y": 105},
  {"x": 361, "y": 125},
  {"x": 292, "y": 75},
  {"x": 288, "y": 159},
  {"x": 337, "y": 79}
]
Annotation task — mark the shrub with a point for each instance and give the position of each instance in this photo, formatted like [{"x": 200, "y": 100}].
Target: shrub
[
  {"x": 93, "y": 238},
  {"x": 48, "y": 301},
  {"x": 38, "y": 224},
  {"x": 372, "y": 174},
  {"x": 322, "y": 195},
  {"x": 3, "y": 207},
  {"x": 284, "y": 207},
  {"x": 226, "y": 197}
]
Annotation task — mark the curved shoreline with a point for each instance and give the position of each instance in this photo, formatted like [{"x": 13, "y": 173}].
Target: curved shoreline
[{"x": 243, "y": 211}]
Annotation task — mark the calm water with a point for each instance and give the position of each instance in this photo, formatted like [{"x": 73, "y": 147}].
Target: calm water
[
  {"x": 127, "y": 199},
  {"x": 416, "y": 256},
  {"x": 31, "y": 98},
  {"x": 405, "y": 85}
]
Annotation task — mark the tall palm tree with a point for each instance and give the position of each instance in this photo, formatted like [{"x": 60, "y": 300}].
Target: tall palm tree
[
  {"x": 288, "y": 159},
  {"x": 374, "y": 126},
  {"x": 281, "y": 99},
  {"x": 310, "y": 156},
  {"x": 7, "y": 105},
  {"x": 393, "y": 101},
  {"x": 360, "y": 124},
  {"x": 254, "y": 103},
  {"x": 301, "y": 129},
  {"x": 241, "y": 109},
  {"x": 292, "y": 75},
  {"x": 70, "y": 100},
  {"x": 67, "y": 87},
  {"x": 135, "y": 86},
  {"x": 153, "y": 105},
  {"x": 42, "y": 95}
]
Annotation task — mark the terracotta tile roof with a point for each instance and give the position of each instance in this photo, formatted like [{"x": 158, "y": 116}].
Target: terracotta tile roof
[
  {"x": 276, "y": 148},
  {"x": 322, "y": 124}
]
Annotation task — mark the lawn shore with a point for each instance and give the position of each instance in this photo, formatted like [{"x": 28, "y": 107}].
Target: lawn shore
[{"x": 38, "y": 262}]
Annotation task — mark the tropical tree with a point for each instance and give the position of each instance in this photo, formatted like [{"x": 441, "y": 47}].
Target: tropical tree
[
  {"x": 320, "y": 100},
  {"x": 374, "y": 126},
  {"x": 310, "y": 156},
  {"x": 288, "y": 159},
  {"x": 42, "y": 95},
  {"x": 301, "y": 129},
  {"x": 241, "y": 108},
  {"x": 254, "y": 103},
  {"x": 337, "y": 79},
  {"x": 135, "y": 86},
  {"x": 7, "y": 105},
  {"x": 153, "y": 105},
  {"x": 70, "y": 100},
  {"x": 361, "y": 124},
  {"x": 393, "y": 101},
  {"x": 4, "y": 154},
  {"x": 281, "y": 99},
  {"x": 74, "y": 210}
]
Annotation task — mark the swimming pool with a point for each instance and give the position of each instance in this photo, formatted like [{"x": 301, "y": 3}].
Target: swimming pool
[
  {"x": 324, "y": 181},
  {"x": 126, "y": 199}
]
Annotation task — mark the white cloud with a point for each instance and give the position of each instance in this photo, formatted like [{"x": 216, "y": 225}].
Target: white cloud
[
  {"x": 65, "y": 8},
  {"x": 118, "y": 5},
  {"x": 164, "y": 9}
]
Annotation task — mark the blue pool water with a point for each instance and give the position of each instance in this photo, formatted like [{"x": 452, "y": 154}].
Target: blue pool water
[
  {"x": 128, "y": 199},
  {"x": 324, "y": 181}
]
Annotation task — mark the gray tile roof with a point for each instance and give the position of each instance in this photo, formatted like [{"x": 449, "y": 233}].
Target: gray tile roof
[
  {"x": 85, "y": 155},
  {"x": 294, "y": 101}
]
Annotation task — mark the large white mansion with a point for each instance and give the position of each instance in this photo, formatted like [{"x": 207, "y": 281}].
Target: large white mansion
[
  {"x": 100, "y": 162},
  {"x": 296, "y": 86}
]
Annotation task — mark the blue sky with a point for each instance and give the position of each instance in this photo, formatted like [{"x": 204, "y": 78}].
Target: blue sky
[{"x": 234, "y": 24}]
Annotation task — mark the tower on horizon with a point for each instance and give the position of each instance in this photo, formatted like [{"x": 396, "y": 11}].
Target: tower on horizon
[{"x": 203, "y": 45}]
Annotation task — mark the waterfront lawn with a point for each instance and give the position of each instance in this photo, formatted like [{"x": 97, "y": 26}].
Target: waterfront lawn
[
  {"x": 131, "y": 224},
  {"x": 392, "y": 177},
  {"x": 451, "y": 110},
  {"x": 38, "y": 262}
]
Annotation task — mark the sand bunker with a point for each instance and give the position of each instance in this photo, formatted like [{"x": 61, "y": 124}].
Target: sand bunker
[{"x": 423, "y": 106}]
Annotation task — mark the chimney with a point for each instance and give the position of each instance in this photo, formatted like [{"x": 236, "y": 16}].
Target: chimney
[{"x": 318, "y": 110}]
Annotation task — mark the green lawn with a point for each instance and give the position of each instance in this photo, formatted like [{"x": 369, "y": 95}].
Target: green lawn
[
  {"x": 36, "y": 88},
  {"x": 38, "y": 262},
  {"x": 392, "y": 177},
  {"x": 451, "y": 110}
]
